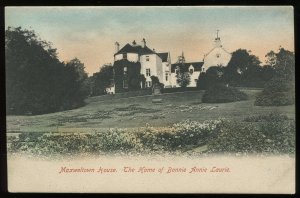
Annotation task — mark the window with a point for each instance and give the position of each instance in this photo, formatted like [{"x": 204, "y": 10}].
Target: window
[
  {"x": 147, "y": 58},
  {"x": 177, "y": 71},
  {"x": 148, "y": 72},
  {"x": 218, "y": 55},
  {"x": 125, "y": 70},
  {"x": 167, "y": 76},
  {"x": 191, "y": 71},
  {"x": 125, "y": 83},
  {"x": 124, "y": 56},
  {"x": 148, "y": 83},
  {"x": 203, "y": 69}
]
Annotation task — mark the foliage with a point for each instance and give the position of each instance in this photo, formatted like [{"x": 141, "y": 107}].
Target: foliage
[
  {"x": 262, "y": 134},
  {"x": 179, "y": 137},
  {"x": 271, "y": 117},
  {"x": 261, "y": 137},
  {"x": 183, "y": 79},
  {"x": 156, "y": 83},
  {"x": 36, "y": 81},
  {"x": 211, "y": 77},
  {"x": 242, "y": 69},
  {"x": 277, "y": 92},
  {"x": 285, "y": 64},
  {"x": 101, "y": 80},
  {"x": 221, "y": 93},
  {"x": 132, "y": 76}
]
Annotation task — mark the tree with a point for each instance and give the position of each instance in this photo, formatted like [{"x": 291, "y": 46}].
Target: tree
[
  {"x": 280, "y": 89},
  {"x": 183, "y": 79},
  {"x": 36, "y": 81},
  {"x": 242, "y": 68},
  {"x": 271, "y": 58},
  {"x": 156, "y": 83},
  {"x": 76, "y": 78},
  {"x": 101, "y": 80},
  {"x": 211, "y": 77},
  {"x": 285, "y": 64}
]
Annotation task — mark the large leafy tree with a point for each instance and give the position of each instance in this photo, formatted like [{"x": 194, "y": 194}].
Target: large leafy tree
[
  {"x": 75, "y": 82},
  {"x": 101, "y": 80},
  {"x": 36, "y": 81},
  {"x": 242, "y": 68},
  {"x": 280, "y": 88}
]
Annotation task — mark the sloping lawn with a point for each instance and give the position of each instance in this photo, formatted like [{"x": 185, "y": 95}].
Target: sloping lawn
[{"x": 109, "y": 112}]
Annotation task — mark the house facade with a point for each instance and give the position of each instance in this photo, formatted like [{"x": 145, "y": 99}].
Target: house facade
[
  {"x": 150, "y": 63},
  {"x": 139, "y": 60},
  {"x": 217, "y": 56}
]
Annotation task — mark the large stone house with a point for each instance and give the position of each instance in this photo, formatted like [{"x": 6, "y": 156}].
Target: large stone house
[
  {"x": 139, "y": 60},
  {"x": 150, "y": 63}
]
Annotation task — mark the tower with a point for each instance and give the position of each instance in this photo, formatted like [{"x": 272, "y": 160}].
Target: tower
[{"x": 218, "y": 40}]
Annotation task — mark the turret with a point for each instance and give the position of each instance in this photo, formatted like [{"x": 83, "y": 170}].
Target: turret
[{"x": 218, "y": 40}]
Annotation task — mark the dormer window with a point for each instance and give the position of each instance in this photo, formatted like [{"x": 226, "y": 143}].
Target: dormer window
[
  {"x": 124, "y": 56},
  {"x": 147, "y": 58},
  {"x": 191, "y": 71}
]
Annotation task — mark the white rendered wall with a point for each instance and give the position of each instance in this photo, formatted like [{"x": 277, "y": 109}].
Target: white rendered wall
[
  {"x": 166, "y": 69},
  {"x": 151, "y": 64},
  {"x": 194, "y": 76},
  {"x": 118, "y": 57},
  {"x": 132, "y": 57},
  {"x": 212, "y": 60}
]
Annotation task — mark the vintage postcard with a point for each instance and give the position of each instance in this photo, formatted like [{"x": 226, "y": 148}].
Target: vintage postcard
[{"x": 175, "y": 99}]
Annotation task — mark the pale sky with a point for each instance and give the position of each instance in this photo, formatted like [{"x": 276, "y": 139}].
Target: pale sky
[{"x": 89, "y": 33}]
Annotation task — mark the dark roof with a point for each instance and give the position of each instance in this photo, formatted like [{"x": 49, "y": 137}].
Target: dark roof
[
  {"x": 135, "y": 49},
  {"x": 197, "y": 66},
  {"x": 163, "y": 56}
]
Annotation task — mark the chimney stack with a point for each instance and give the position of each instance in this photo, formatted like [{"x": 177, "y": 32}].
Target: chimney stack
[
  {"x": 144, "y": 42},
  {"x": 117, "y": 45},
  {"x": 133, "y": 43}
]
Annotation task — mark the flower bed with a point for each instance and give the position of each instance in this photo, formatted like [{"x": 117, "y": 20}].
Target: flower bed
[{"x": 264, "y": 134}]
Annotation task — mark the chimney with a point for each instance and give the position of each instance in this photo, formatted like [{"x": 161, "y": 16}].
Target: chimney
[
  {"x": 144, "y": 42},
  {"x": 153, "y": 50},
  {"x": 133, "y": 43},
  {"x": 117, "y": 47}
]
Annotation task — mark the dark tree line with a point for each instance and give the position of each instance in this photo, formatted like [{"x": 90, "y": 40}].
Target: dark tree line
[
  {"x": 36, "y": 81},
  {"x": 243, "y": 70},
  {"x": 277, "y": 76}
]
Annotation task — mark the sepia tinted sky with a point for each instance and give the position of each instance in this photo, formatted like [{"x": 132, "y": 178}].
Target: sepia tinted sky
[{"x": 89, "y": 33}]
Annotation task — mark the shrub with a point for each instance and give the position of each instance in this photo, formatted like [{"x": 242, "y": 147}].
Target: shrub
[
  {"x": 220, "y": 93},
  {"x": 180, "y": 136},
  {"x": 263, "y": 137},
  {"x": 271, "y": 117},
  {"x": 277, "y": 92}
]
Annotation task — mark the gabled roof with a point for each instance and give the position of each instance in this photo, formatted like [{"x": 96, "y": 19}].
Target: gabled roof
[
  {"x": 197, "y": 66},
  {"x": 163, "y": 56},
  {"x": 135, "y": 49}
]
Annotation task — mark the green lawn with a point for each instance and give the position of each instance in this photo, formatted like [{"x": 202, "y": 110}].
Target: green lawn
[{"x": 108, "y": 112}]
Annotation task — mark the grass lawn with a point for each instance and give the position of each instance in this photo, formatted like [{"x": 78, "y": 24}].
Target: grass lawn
[{"x": 109, "y": 112}]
